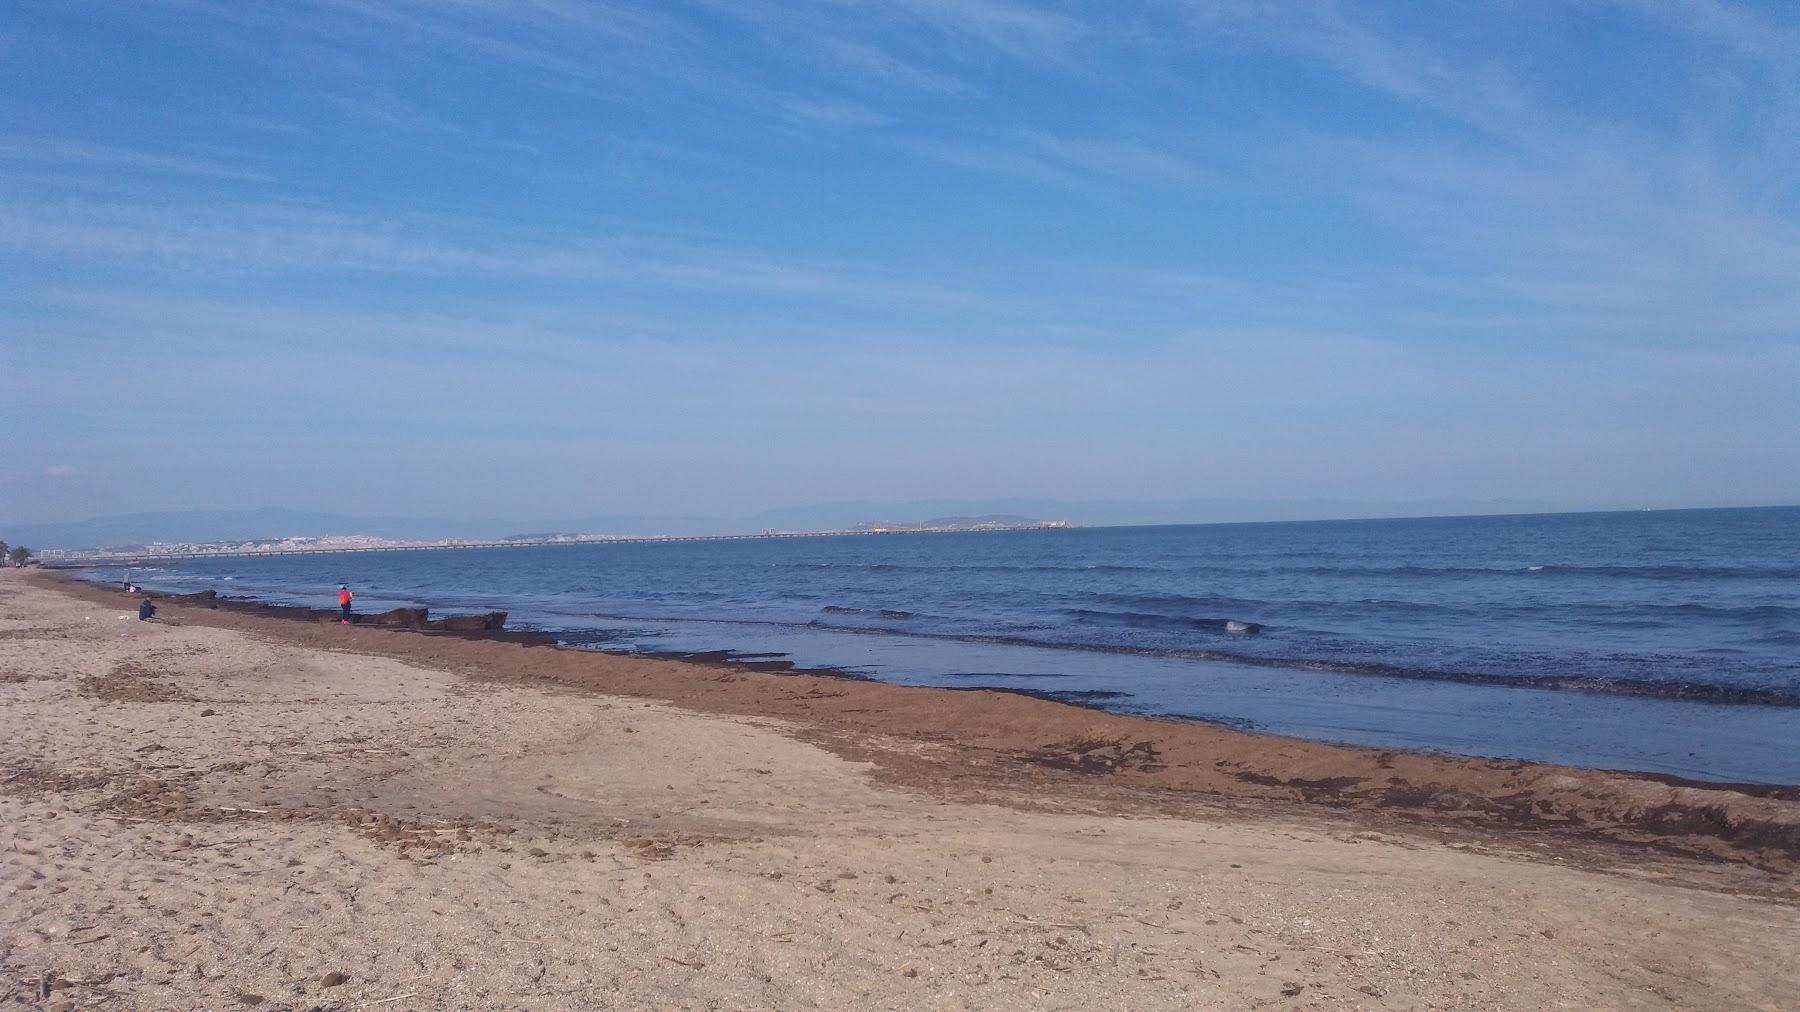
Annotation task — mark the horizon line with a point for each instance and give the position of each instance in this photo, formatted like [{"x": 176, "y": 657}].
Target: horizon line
[{"x": 1031, "y": 524}]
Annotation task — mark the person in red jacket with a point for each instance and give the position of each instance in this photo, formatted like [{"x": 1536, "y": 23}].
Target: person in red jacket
[{"x": 344, "y": 598}]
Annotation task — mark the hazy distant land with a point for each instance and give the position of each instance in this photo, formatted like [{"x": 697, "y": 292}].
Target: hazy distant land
[
  {"x": 301, "y": 543},
  {"x": 259, "y": 525}
]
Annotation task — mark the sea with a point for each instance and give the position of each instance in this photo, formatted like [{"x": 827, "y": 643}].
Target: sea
[{"x": 1659, "y": 641}]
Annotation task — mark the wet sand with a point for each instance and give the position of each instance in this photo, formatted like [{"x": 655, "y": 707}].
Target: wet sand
[{"x": 218, "y": 807}]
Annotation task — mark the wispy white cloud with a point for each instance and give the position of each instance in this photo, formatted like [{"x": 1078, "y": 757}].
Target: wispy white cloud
[
  {"x": 536, "y": 37},
  {"x": 384, "y": 110},
  {"x": 1042, "y": 156},
  {"x": 1111, "y": 156},
  {"x": 1538, "y": 210},
  {"x": 867, "y": 63},
  {"x": 25, "y": 149},
  {"x": 1552, "y": 216},
  {"x": 1374, "y": 55},
  {"x": 833, "y": 111},
  {"x": 936, "y": 35},
  {"x": 994, "y": 159},
  {"x": 250, "y": 238},
  {"x": 604, "y": 49},
  {"x": 265, "y": 124},
  {"x": 1016, "y": 29},
  {"x": 1737, "y": 26}
]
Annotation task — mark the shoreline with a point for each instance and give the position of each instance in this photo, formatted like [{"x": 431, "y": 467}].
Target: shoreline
[
  {"x": 1597, "y": 685},
  {"x": 1619, "y": 754},
  {"x": 1622, "y": 686},
  {"x": 1047, "y": 751}
]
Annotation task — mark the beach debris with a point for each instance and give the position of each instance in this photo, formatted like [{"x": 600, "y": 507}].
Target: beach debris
[
  {"x": 131, "y": 682},
  {"x": 1096, "y": 756}
]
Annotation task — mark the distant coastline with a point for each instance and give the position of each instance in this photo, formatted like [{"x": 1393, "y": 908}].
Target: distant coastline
[{"x": 126, "y": 555}]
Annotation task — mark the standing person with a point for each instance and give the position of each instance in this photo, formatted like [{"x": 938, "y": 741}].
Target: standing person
[{"x": 344, "y": 598}]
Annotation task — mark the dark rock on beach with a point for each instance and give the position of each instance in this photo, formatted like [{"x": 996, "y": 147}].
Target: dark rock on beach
[
  {"x": 485, "y": 625},
  {"x": 404, "y": 618},
  {"x": 486, "y": 622}
]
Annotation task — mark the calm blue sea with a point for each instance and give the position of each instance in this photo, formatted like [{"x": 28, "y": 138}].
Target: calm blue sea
[{"x": 1664, "y": 641}]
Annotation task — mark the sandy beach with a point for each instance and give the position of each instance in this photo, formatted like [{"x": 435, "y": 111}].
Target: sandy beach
[{"x": 229, "y": 810}]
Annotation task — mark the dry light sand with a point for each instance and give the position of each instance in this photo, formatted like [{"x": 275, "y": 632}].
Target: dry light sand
[{"x": 202, "y": 814}]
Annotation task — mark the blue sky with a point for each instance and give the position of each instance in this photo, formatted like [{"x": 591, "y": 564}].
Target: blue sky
[{"x": 539, "y": 259}]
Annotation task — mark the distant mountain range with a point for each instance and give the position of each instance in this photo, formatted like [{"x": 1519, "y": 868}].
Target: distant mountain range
[{"x": 134, "y": 529}]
